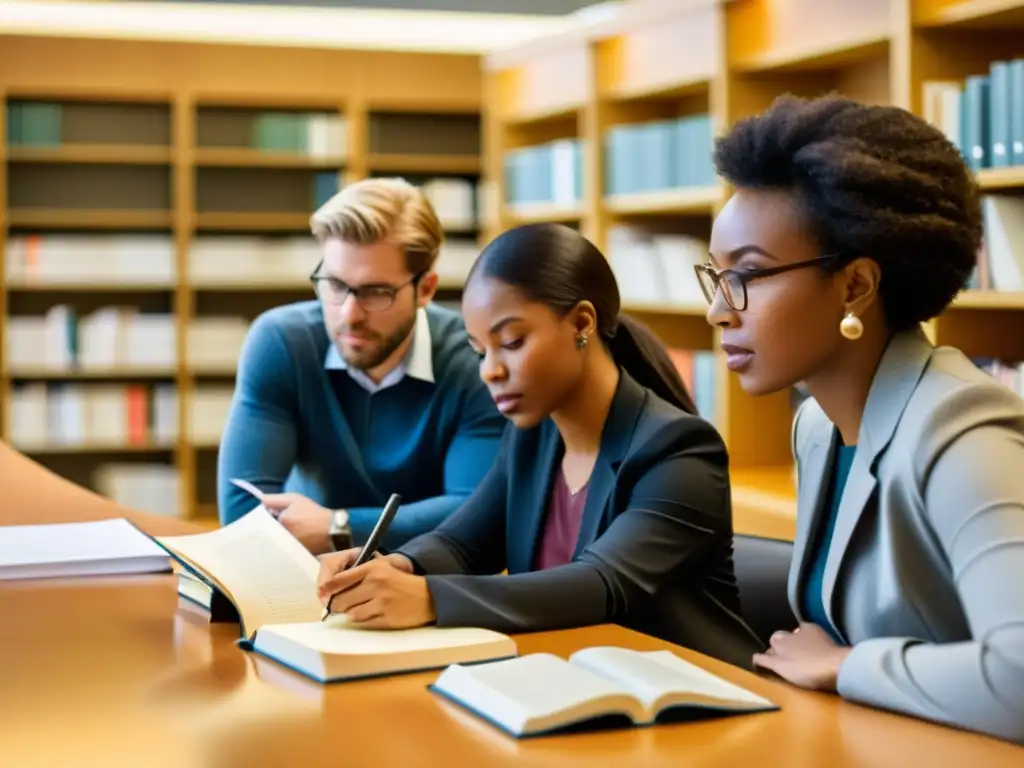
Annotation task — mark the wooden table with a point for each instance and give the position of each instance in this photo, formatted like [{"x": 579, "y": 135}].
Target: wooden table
[{"x": 118, "y": 672}]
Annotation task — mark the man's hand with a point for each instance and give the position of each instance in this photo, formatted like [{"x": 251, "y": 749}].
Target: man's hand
[{"x": 303, "y": 518}]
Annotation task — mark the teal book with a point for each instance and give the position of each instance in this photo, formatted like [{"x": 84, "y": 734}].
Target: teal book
[
  {"x": 1016, "y": 109},
  {"x": 618, "y": 163},
  {"x": 976, "y": 124},
  {"x": 657, "y": 155},
  {"x": 999, "y": 149},
  {"x": 15, "y": 112},
  {"x": 325, "y": 185},
  {"x": 512, "y": 177},
  {"x": 578, "y": 160},
  {"x": 704, "y": 375}
]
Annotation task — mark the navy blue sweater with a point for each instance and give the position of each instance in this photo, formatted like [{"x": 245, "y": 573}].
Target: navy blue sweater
[{"x": 288, "y": 429}]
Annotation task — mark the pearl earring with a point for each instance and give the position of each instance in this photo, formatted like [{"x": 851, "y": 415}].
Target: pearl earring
[
  {"x": 851, "y": 327},
  {"x": 581, "y": 341}
]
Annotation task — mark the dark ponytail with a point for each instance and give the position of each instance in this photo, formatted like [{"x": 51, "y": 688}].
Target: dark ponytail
[
  {"x": 558, "y": 266},
  {"x": 640, "y": 352}
]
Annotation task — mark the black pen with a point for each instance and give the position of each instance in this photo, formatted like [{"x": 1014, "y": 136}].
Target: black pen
[{"x": 373, "y": 543}]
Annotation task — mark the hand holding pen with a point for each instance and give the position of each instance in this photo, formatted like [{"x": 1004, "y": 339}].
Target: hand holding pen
[{"x": 379, "y": 592}]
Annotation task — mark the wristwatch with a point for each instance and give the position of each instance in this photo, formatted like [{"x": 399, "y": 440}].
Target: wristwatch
[{"x": 341, "y": 534}]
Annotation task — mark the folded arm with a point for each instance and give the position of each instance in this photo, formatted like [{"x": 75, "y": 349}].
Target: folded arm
[
  {"x": 259, "y": 443},
  {"x": 673, "y": 518},
  {"x": 975, "y": 502}
]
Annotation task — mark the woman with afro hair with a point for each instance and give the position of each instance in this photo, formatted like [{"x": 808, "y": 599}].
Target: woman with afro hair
[{"x": 850, "y": 226}]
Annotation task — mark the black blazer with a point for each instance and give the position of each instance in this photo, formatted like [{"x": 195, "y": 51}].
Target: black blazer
[{"x": 655, "y": 543}]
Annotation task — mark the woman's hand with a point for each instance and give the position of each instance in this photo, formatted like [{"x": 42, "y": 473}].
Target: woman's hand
[
  {"x": 807, "y": 656},
  {"x": 380, "y": 594}
]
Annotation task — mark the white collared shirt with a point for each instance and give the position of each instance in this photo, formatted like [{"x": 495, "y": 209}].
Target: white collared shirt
[{"x": 417, "y": 363}]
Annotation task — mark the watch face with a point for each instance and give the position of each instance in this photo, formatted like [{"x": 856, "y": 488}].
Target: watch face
[{"x": 340, "y": 520}]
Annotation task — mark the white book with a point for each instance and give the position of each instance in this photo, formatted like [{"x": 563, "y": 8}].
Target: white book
[
  {"x": 100, "y": 548},
  {"x": 540, "y": 693},
  {"x": 271, "y": 580}
]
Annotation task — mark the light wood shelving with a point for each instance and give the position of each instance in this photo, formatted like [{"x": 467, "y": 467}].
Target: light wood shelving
[
  {"x": 157, "y": 137},
  {"x": 731, "y": 58}
]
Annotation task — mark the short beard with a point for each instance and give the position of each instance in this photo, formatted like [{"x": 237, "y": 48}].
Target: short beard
[{"x": 371, "y": 358}]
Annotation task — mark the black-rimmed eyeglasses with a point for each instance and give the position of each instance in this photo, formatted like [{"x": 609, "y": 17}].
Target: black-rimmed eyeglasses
[
  {"x": 733, "y": 283},
  {"x": 371, "y": 297}
]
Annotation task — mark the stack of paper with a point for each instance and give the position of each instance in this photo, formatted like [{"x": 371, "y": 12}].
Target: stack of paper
[{"x": 99, "y": 548}]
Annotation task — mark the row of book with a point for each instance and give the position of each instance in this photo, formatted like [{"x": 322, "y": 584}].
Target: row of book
[
  {"x": 60, "y": 415},
  {"x": 150, "y": 260},
  {"x": 150, "y": 486},
  {"x": 550, "y": 173},
  {"x": 983, "y": 115},
  {"x": 315, "y": 134},
  {"x": 1001, "y": 258},
  {"x": 1010, "y": 375},
  {"x": 656, "y": 267},
  {"x": 119, "y": 340},
  {"x": 698, "y": 370},
  {"x": 659, "y": 155},
  {"x": 102, "y": 416}
]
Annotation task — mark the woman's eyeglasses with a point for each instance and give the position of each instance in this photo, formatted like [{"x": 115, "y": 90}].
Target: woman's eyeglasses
[{"x": 733, "y": 283}]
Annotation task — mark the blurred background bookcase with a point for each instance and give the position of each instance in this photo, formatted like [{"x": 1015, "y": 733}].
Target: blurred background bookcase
[
  {"x": 609, "y": 128},
  {"x": 156, "y": 198}
]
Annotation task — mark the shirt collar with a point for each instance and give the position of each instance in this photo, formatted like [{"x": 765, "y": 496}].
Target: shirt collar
[{"x": 417, "y": 363}]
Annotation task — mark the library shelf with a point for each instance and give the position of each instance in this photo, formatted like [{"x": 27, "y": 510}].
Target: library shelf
[
  {"x": 84, "y": 218},
  {"x": 107, "y": 154},
  {"x": 658, "y": 62},
  {"x": 539, "y": 213},
  {"x": 1001, "y": 179},
  {"x": 969, "y": 14},
  {"x": 247, "y": 157},
  {"x": 424, "y": 163},
  {"x": 190, "y": 169},
  {"x": 682, "y": 201}
]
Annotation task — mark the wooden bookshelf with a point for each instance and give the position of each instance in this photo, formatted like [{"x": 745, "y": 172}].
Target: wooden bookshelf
[
  {"x": 186, "y": 146},
  {"x": 730, "y": 58}
]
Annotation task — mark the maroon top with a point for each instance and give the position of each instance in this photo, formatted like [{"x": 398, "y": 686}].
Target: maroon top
[{"x": 561, "y": 525}]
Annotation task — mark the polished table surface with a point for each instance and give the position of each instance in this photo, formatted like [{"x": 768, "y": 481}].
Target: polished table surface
[{"x": 118, "y": 672}]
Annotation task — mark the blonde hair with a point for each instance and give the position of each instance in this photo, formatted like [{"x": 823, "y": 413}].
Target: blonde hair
[{"x": 378, "y": 210}]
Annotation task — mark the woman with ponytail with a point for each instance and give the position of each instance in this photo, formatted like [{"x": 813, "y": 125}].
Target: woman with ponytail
[{"x": 610, "y": 499}]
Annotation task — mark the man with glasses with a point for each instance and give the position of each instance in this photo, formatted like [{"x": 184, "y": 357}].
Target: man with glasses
[{"x": 367, "y": 391}]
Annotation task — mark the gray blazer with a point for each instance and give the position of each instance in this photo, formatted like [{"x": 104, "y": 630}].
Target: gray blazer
[
  {"x": 654, "y": 551},
  {"x": 925, "y": 573}
]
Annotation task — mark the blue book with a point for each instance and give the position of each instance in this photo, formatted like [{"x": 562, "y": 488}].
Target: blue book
[
  {"x": 999, "y": 148},
  {"x": 325, "y": 186},
  {"x": 657, "y": 155},
  {"x": 1016, "y": 109},
  {"x": 975, "y": 124}
]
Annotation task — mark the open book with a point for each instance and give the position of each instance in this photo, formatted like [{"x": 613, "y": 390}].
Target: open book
[
  {"x": 97, "y": 548},
  {"x": 218, "y": 608},
  {"x": 271, "y": 580},
  {"x": 540, "y": 692}
]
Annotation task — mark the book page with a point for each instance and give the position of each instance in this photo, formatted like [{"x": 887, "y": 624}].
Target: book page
[
  {"x": 261, "y": 567},
  {"x": 61, "y": 547},
  {"x": 655, "y": 675}
]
